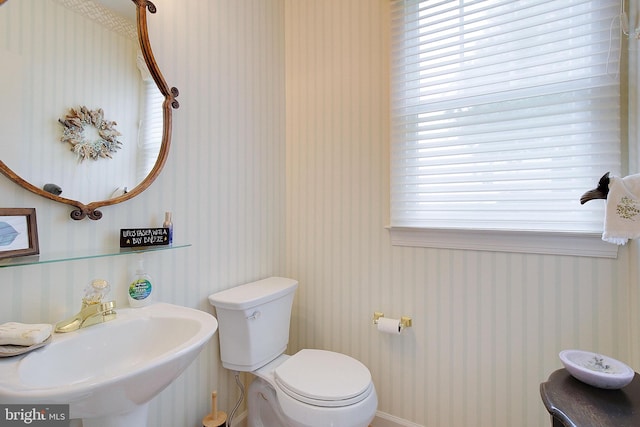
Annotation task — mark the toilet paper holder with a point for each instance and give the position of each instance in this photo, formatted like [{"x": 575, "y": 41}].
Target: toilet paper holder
[{"x": 405, "y": 321}]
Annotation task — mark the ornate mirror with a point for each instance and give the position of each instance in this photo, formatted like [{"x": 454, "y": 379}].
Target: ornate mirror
[{"x": 87, "y": 117}]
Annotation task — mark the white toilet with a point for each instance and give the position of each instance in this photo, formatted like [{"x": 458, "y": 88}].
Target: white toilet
[{"x": 312, "y": 388}]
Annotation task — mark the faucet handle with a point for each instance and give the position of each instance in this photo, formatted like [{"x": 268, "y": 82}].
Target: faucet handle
[{"x": 95, "y": 291}]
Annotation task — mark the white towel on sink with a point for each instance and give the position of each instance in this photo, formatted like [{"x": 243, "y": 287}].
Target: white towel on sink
[{"x": 14, "y": 333}]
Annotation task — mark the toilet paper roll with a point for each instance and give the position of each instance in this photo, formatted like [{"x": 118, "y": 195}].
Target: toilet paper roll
[{"x": 389, "y": 326}]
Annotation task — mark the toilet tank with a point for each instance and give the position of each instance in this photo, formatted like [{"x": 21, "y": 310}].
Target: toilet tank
[{"x": 253, "y": 322}]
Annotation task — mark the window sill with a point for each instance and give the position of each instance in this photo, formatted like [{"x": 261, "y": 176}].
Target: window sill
[{"x": 535, "y": 242}]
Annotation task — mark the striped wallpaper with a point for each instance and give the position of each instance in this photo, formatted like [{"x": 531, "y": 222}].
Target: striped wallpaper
[
  {"x": 487, "y": 327},
  {"x": 224, "y": 181},
  {"x": 279, "y": 166}
]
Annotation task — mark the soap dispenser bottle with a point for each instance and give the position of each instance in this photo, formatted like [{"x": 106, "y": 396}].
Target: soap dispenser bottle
[{"x": 140, "y": 288}]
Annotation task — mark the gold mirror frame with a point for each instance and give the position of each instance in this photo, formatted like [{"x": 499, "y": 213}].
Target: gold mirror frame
[{"x": 90, "y": 210}]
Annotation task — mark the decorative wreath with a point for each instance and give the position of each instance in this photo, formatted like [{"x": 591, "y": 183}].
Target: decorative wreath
[{"x": 102, "y": 144}]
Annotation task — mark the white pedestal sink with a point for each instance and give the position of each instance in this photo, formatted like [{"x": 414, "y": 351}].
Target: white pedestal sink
[{"x": 109, "y": 372}]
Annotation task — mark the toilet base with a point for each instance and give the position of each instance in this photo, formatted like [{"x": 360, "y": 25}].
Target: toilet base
[{"x": 264, "y": 410}]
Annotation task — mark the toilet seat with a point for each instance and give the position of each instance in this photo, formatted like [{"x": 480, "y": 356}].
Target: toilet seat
[{"x": 324, "y": 378}]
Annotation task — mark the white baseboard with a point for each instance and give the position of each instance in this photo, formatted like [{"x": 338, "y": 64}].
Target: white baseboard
[{"x": 382, "y": 419}]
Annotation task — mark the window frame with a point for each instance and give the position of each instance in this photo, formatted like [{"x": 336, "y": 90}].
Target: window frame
[{"x": 515, "y": 241}]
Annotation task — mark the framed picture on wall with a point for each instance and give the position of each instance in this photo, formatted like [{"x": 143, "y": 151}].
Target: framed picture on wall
[{"x": 18, "y": 232}]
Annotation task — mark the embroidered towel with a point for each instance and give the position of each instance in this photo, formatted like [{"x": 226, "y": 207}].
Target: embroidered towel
[
  {"x": 622, "y": 211},
  {"x": 14, "y": 333}
]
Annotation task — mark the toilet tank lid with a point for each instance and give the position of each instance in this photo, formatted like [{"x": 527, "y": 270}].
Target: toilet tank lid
[{"x": 253, "y": 294}]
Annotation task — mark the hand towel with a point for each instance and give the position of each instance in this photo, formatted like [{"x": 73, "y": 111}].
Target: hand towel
[
  {"x": 14, "y": 333},
  {"x": 622, "y": 211}
]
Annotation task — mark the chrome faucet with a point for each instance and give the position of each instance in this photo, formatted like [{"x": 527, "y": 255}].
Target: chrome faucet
[{"x": 93, "y": 310}]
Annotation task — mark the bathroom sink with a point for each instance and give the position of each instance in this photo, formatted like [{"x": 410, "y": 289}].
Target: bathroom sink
[
  {"x": 109, "y": 372},
  {"x": 597, "y": 370}
]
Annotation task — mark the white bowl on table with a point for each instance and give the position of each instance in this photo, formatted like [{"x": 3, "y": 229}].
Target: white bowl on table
[{"x": 596, "y": 370}]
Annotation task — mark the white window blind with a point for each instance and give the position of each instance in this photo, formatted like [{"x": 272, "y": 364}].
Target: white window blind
[
  {"x": 151, "y": 129},
  {"x": 151, "y": 124},
  {"x": 504, "y": 112}
]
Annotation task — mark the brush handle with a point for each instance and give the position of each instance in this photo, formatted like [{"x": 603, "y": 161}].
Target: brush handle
[
  {"x": 214, "y": 405},
  {"x": 215, "y": 418}
]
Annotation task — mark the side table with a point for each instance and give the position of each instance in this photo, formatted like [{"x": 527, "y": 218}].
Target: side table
[{"x": 573, "y": 403}]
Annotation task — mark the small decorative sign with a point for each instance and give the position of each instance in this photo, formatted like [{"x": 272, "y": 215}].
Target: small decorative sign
[{"x": 140, "y": 237}]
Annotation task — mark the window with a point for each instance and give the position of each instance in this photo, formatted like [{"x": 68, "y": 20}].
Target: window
[{"x": 504, "y": 113}]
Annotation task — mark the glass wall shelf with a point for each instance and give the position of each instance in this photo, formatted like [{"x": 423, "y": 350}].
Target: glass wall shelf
[{"x": 59, "y": 257}]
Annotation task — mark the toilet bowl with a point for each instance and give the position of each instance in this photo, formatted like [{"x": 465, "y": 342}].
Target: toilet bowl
[{"x": 312, "y": 388}]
